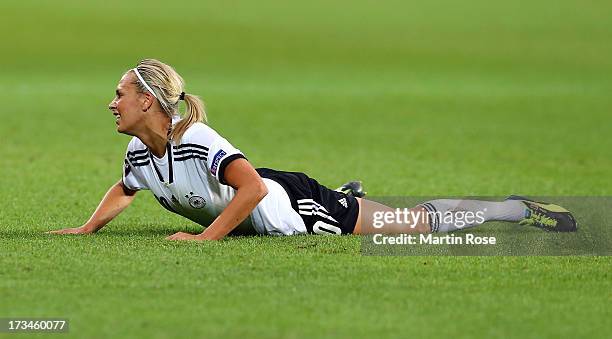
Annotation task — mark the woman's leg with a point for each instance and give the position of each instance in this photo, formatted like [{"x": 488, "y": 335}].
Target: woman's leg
[
  {"x": 372, "y": 213},
  {"x": 442, "y": 215}
]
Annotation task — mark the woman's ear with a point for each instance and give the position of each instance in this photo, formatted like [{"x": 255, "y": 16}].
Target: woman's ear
[{"x": 148, "y": 101}]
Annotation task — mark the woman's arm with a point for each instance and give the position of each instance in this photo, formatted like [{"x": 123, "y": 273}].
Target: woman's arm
[
  {"x": 116, "y": 200},
  {"x": 250, "y": 189}
]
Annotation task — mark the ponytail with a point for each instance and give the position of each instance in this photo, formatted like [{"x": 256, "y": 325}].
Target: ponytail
[{"x": 194, "y": 113}]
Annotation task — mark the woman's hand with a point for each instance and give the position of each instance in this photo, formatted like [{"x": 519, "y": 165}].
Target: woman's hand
[
  {"x": 185, "y": 236},
  {"x": 75, "y": 230},
  {"x": 116, "y": 200}
]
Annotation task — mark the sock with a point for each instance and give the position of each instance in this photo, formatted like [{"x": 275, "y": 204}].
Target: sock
[{"x": 447, "y": 215}]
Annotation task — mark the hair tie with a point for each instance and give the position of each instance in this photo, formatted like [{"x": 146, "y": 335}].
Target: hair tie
[{"x": 182, "y": 96}]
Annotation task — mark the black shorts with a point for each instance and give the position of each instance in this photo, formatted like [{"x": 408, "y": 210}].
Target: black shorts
[{"x": 324, "y": 211}]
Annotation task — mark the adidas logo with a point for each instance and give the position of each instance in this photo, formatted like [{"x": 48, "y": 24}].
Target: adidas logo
[{"x": 343, "y": 202}]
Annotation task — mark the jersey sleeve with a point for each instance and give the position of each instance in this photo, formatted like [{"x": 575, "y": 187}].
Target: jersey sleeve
[
  {"x": 221, "y": 154},
  {"x": 132, "y": 158},
  {"x": 219, "y": 151}
]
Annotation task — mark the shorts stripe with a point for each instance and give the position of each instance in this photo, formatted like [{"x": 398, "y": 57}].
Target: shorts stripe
[{"x": 311, "y": 207}]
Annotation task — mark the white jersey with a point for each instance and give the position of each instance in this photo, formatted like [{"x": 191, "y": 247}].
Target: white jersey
[{"x": 189, "y": 180}]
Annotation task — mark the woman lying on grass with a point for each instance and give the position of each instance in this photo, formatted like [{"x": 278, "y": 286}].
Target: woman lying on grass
[{"x": 195, "y": 172}]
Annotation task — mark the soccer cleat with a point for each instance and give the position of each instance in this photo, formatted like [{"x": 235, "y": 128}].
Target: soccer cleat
[
  {"x": 352, "y": 188},
  {"x": 546, "y": 216}
]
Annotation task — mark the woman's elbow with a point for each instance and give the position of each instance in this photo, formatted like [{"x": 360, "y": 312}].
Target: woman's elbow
[{"x": 261, "y": 190}]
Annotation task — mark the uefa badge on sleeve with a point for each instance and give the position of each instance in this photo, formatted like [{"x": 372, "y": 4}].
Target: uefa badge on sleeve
[{"x": 216, "y": 161}]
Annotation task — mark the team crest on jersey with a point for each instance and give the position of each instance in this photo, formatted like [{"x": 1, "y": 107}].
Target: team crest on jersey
[
  {"x": 195, "y": 201},
  {"x": 216, "y": 160}
]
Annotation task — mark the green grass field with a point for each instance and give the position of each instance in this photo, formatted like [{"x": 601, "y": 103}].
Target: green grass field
[{"x": 438, "y": 98}]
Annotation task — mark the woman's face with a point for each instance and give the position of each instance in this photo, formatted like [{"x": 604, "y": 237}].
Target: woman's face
[{"x": 129, "y": 106}]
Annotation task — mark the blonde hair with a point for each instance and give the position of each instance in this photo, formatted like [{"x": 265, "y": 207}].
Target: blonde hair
[{"x": 168, "y": 86}]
